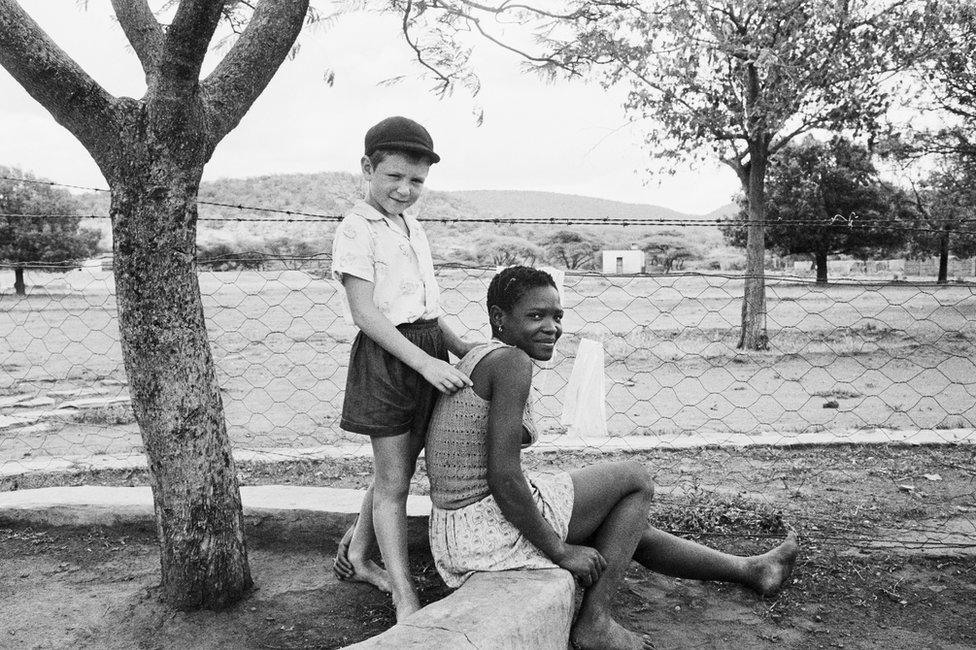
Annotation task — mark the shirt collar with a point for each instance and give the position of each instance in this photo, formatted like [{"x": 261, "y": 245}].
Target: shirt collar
[{"x": 367, "y": 211}]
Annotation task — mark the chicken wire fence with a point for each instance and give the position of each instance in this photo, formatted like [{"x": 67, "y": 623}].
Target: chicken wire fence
[{"x": 890, "y": 364}]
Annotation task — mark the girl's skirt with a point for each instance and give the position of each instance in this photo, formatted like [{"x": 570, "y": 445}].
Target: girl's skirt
[{"x": 478, "y": 537}]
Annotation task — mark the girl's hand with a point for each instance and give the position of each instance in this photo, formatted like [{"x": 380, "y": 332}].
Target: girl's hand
[
  {"x": 443, "y": 376},
  {"x": 584, "y": 562}
]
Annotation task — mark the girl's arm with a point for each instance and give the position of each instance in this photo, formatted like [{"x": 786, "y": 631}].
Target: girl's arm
[
  {"x": 458, "y": 346},
  {"x": 509, "y": 377},
  {"x": 368, "y": 318}
]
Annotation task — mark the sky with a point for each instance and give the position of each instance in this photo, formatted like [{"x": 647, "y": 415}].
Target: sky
[{"x": 569, "y": 137}]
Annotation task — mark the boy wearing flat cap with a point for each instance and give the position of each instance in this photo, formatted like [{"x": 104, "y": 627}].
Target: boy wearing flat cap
[{"x": 399, "y": 359}]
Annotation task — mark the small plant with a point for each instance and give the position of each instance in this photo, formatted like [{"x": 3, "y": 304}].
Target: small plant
[
  {"x": 957, "y": 422},
  {"x": 114, "y": 414}
]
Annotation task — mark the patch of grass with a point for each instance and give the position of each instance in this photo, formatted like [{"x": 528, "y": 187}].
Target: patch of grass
[
  {"x": 957, "y": 422},
  {"x": 838, "y": 393},
  {"x": 105, "y": 415}
]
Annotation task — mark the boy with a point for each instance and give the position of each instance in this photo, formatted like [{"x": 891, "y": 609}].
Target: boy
[{"x": 399, "y": 359}]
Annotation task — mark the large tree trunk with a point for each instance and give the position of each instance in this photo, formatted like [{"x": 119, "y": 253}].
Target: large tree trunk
[
  {"x": 820, "y": 259},
  {"x": 174, "y": 388},
  {"x": 753, "y": 335},
  {"x": 152, "y": 152},
  {"x": 19, "y": 287},
  {"x": 943, "y": 259}
]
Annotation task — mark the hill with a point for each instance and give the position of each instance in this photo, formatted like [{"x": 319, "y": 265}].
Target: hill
[
  {"x": 331, "y": 193},
  {"x": 531, "y": 204}
]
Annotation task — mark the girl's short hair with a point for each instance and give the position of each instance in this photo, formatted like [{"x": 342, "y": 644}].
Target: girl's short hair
[{"x": 510, "y": 284}]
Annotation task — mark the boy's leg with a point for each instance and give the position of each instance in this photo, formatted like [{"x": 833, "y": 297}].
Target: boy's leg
[
  {"x": 609, "y": 513},
  {"x": 664, "y": 553},
  {"x": 353, "y": 559},
  {"x": 394, "y": 459}
]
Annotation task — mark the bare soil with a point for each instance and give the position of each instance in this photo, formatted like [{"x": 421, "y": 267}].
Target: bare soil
[{"x": 888, "y": 539}]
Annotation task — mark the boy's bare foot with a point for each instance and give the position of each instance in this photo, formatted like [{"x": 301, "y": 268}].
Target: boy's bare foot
[
  {"x": 773, "y": 568},
  {"x": 352, "y": 569},
  {"x": 606, "y": 634},
  {"x": 405, "y": 605}
]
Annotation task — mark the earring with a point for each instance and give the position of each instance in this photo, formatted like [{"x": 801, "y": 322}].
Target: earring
[{"x": 500, "y": 329}]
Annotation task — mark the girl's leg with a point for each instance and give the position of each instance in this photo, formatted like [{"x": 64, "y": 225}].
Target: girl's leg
[
  {"x": 394, "y": 459},
  {"x": 610, "y": 514},
  {"x": 353, "y": 559},
  {"x": 664, "y": 553}
]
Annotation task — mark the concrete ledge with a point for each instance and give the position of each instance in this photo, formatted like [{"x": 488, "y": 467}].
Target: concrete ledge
[
  {"x": 110, "y": 506},
  {"x": 506, "y": 609}
]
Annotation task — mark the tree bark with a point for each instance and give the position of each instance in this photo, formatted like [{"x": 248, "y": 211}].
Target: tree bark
[
  {"x": 820, "y": 259},
  {"x": 943, "y": 259},
  {"x": 175, "y": 396},
  {"x": 19, "y": 287},
  {"x": 753, "y": 336}
]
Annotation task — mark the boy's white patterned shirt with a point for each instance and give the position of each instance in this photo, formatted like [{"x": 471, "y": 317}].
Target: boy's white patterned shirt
[{"x": 367, "y": 245}]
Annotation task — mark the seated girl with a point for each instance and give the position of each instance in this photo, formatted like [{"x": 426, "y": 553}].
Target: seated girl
[{"x": 489, "y": 516}]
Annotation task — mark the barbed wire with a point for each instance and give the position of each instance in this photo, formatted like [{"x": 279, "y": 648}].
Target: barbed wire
[
  {"x": 857, "y": 224},
  {"x": 300, "y": 216}
]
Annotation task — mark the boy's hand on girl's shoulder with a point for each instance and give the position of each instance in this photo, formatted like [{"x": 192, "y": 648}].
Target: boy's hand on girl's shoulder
[{"x": 443, "y": 376}]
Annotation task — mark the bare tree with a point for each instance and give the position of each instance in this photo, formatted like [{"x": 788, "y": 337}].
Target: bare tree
[{"x": 152, "y": 152}]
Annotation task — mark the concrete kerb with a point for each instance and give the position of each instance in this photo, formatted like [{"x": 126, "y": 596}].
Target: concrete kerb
[
  {"x": 547, "y": 444},
  {"x": 513, "y": 609}
]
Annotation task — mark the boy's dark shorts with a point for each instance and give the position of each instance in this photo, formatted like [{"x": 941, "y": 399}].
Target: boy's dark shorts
[{"x": 384, "y": 396}]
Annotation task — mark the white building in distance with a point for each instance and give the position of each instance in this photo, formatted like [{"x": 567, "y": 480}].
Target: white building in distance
[{"x": 623, "y": 262}]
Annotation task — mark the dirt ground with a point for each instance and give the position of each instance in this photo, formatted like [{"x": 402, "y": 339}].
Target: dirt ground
[{"x": 887, "y": 560}]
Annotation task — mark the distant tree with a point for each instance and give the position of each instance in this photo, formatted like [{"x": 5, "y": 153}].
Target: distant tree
[
  {"x": 945, "y": 203},
  {"x": 505, "y": 250},
  {"x": 824, "y": 199},
  {"x": 224, "y": 257},
  {"x": 740, "y": 79},
  {"x": 571, "y": 249},
  {"x": 53, "y": 237},
  {"x": 290, "y": 252},
  {"x": 669, "y": 249}
]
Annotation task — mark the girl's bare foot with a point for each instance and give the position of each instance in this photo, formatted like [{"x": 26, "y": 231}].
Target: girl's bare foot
[
  {"x": 606, "y": 634},
  {"x": 773, "y": 569},
  {"x": 405, "y": 605},
  {"x": 354, "y": 569}
]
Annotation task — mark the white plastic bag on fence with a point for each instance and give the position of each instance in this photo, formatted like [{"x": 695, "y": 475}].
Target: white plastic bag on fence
[
  {"x": 585, "y": 403},
  {"x": 559, "y": 277}
]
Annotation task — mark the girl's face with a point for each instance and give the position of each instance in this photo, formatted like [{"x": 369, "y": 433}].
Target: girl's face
[{"x": 534, "y": 324}]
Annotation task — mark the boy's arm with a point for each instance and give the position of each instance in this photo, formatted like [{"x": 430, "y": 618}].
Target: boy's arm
[
  {"x": 368, "y": 318},
  {"x": 510, "y": 377},
  {"x": 458, "y": 346}
]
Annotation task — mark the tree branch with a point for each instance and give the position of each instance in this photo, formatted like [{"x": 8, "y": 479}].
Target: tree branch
[
  {"x": 231, "y": 89},
  {"x": 144, "y": 33},
  {"x": 185, "y": 44},
  {"x": 444, "y": 80},
  {"x": 54, "y": 79}
]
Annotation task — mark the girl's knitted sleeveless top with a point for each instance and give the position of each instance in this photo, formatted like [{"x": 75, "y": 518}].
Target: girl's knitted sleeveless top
[{"x": 457, "y": 440}]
